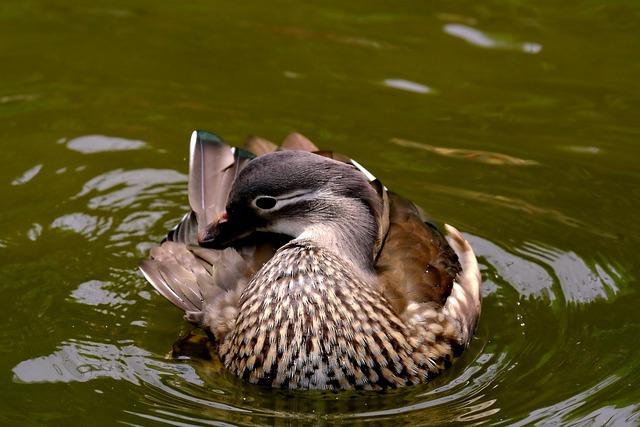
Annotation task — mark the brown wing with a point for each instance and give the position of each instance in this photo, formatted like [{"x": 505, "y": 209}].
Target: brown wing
[{"x": 416, "y": 263}]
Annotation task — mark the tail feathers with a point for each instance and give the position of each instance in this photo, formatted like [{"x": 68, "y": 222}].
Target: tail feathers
[
  {"x": 294, "y": 141},
  {"x": 205, "y": 283},
  {"x": 463, "y": 305},
  {"x": 297, "y": 141},
  {"x": 260, "y": 146}
]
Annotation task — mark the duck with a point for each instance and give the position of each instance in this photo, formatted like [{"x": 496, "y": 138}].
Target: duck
[{"x": 308, "y": 273}]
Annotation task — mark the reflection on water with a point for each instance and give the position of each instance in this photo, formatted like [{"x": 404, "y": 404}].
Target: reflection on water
[
  {"x": 128, "y": 204},
  {"x": 34, "y": 232},
  {"x": 27, "y": 175},
  {"x": 5, "y": 99},
  {"x": 519, "y": 123},
  {"x": 123, "y": 208},
  {"x": 581, "y": 149},
  {"x": 129, "y": 188},
  {"x": 610, "y": 415},
  {"x": 136, "y": 224},
  {"x": 407, "y": 85},
  {"x": 99, "y": 143},
  {"x": 480, "y": 39},
  {"x": 490, "y": 158},
  {"x": 557, "y": 413},
  {"x": 514, "y": 204},
  {"x": 533, "y": 270},
  {"x": 526, "y": 277},
  {"x": 89, "y": 226},
  {"x": 580, "y": 282},
  {"x": 461, "y": 399},
  {"x": 84, "y": 361},
  {"x": 95, "y": 292}
]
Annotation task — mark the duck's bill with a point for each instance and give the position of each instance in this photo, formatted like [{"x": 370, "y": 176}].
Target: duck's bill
[{"x": 223, "y": 233}]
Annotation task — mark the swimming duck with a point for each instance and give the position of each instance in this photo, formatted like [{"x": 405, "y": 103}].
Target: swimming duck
[{"x": 308, "y": 273}]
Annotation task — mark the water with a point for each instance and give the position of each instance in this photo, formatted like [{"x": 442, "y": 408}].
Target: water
[{"x": 516, "y": 122}]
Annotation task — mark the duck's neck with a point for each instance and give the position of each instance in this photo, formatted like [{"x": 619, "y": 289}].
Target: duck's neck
[
  {"x": 350, "y": 240},
  {"x": 344, "y": 226}
]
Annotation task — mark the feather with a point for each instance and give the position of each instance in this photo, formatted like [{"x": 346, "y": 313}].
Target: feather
[
  {"x": 464, "y": 302},
  {"x": 297, "y": 141},
  {"x": 196, "y": 279},
  {"x": 186, "y": 231},
  {"x": 213, "y": 166},
  {"x": 151, "y": 271},
  {"x": 383, "y": 219},
  {"x": 259, "y": 146},
  {"x": 415, "y": 264}
]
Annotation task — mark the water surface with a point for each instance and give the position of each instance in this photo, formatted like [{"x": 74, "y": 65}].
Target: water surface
[{"x": 516, "y": 122}]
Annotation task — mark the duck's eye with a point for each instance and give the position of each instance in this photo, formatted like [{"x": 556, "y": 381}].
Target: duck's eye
[{"x": 265, "y": 202}]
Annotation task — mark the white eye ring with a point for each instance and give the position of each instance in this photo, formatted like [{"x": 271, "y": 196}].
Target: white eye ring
[{"x": 265, "y": 203}]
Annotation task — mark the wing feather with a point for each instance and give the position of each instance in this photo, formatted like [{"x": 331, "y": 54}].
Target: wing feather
[{"x": 213, "y": 167}]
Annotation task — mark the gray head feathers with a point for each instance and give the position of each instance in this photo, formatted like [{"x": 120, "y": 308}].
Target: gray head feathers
[{"x": 316, "y": 198}]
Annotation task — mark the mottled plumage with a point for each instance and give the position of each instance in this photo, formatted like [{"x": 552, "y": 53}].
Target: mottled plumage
[
  {"x": 355, "y": 291},
  {"x": 305, "y": 321}
]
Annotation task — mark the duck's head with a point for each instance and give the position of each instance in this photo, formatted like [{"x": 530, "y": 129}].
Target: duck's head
[{"x": 303, "y": 195}]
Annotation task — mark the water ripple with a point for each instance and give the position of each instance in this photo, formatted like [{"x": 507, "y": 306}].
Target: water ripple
[
  {"x": 526, "y": 287},
  {"x": 83, "y": 361},
  {"x": 556, "y": 414},
  {"x": 407, "y": 85},
  {"x": 89, "y": 226},
  {"x": 580, "y": 282},
  {"x": 100, "y": 143},
  {"x": 478, "y": 38},
  {"x": 95, "y": 292},
  {"x": 28, "y": 175},
  {"x": 137, "y": 185}
]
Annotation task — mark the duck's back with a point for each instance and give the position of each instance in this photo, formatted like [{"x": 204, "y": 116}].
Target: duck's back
[{"x": 416, "y": 263}]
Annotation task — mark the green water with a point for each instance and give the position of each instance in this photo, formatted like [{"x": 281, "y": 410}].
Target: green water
[{"x": 549, "y": 91}]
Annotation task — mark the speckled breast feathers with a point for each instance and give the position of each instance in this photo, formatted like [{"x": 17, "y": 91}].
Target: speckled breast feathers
[{"x": 305, "y": 321}]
